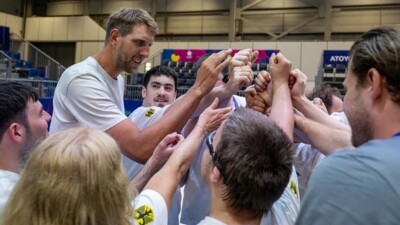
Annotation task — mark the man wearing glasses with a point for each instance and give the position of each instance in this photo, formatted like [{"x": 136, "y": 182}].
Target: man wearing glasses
[{"x": 249, "y": 165}]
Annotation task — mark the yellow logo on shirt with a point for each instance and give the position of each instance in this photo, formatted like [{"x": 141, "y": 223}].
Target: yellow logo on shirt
[
  {"x": 150, "y": 112},
  {"x": 144, "y": 215},
  {"x": 293, "y": 188}
]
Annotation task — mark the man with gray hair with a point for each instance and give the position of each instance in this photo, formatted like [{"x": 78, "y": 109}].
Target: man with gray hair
[{"x": 91, "y": 92}]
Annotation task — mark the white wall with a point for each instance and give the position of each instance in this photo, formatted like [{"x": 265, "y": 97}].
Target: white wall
[
  {"x": 78, "y": 28},
  {"x": 341, "y": 21},
  {"x": 305, "y": 56},
  {"x": 89, "y": 37}
]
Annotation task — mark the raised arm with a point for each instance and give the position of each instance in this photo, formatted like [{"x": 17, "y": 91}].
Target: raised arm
[
  {"x": 168, "y": 178},
  {"x": 324, "y": 138},
  {"x": 139, "y": 145},
  {"x": 282, "y": 108},
  {"x": 240, "y": 75},
  {"x": 307, "y": 107},
  {"x": 160, "y": 155}
]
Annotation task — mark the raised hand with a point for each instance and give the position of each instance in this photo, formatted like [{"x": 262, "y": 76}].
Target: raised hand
[
  {"x": 166, "y": 147},
  {"x": 261, "y": 83},
  {"x": 207, "y": 75},
  {"x": 244, "y": 57},
  {"x": 212, "y": 117},
  {"x": 240, "y": 76},
  {"x": 298, "y": 89},
  {"x": 255, "y": 101},
  {"x": 279, "y": 68}
]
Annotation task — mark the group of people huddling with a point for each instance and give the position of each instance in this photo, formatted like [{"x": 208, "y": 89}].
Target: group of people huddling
[{"x": 277, "y": 155}]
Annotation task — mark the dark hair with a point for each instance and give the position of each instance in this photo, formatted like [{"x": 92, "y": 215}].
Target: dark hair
[
  {"x": 160, "y": 70},
  {"x": 378, "y": 48},
  {"x": 325, "y": 92},
  {"x": 14, "y": 97},
  {"x": 257, "y": 158},
  {"x": 198, "y": 63},
  {"x": 125, "y": 19}
]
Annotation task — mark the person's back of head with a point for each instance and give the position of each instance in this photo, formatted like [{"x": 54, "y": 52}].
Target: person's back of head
[
  {"x": 326, "y": 93},
  {"x": 256, "y": 157},
  {"x": 160, "y": 70},
  {"x": 378, "y": 48},
  {"x": 72, "y": 177},
  {"x": 126, "y": 18}
]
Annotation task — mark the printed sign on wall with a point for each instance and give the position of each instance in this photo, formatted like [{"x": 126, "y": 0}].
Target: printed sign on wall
[{"x": 192, "y": 55}]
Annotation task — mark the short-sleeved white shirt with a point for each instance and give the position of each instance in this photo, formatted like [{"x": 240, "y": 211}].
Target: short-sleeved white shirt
[
  {"x": 8, "y": 180},
  {"x": 87, "y": 95},
  {"x": 142, "y": 117},
  {"x": 150, "y": 209}
]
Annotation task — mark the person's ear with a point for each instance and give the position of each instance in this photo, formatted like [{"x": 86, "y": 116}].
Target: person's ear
[
  {"x": 216, "y": 176},
  {"x": 15, "y": 132},
  {"x": 143, "y": 92},
  {"x": 376, "y": 82},
  {"x": 114, "y": 36}
]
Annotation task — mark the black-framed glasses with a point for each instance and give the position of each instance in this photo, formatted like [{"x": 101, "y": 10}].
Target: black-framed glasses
[{"x": 214, "y": 155}]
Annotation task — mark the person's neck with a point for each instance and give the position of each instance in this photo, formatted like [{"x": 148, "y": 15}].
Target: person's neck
[
  {"x": 221, "y": 212},
  {"x": 106, "y": 60},
  {"x": 387, "y": 121},
  {"x": 9, "y": 160}
]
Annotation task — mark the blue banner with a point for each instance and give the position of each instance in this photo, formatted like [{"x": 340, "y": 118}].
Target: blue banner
[{"x": 335, "y": 57}]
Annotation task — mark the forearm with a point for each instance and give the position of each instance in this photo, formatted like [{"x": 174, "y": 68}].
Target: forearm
[
  {"x": 167, "y": 179},
  {"x": 323, "y": 137},
  {"x": 282, "y": 109},
  {"x": 174, "y": 119},
  {"x": 309, "y": 110},
  {"x": 148, "y": 170},
  {"x": 222, "y": 92}
]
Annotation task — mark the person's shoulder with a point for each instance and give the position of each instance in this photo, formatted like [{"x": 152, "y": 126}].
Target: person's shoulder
[
  {"x": 8, "y": 180},
  {"x": 150, "y": 206},
  {"x": 334, "y": 166},
  {"x": 85, "y": 67},
  {"x": 147, "y": 112}
]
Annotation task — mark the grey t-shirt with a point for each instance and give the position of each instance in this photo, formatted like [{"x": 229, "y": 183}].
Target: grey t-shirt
[{"x": 360, "y": 186}]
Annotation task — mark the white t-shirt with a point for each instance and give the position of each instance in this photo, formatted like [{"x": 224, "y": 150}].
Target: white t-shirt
[
  {"x": 87, "y": 95},
  {"x": 150, "y": 209},
  {"x": 341, "y": 117},
  {"x": 8, "y": 180},
  {"x": 306, "y": 159},
  {"x": 142, "y": 117},
  {"x": 284, "y": 211}
]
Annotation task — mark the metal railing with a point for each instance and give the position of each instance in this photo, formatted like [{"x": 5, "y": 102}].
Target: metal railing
[
  {"x": 44, "y": 88},
  {"x": 5, "y": 65},
  {"x": 134, "y": 92},
  {"x": 39, "y": 59}
]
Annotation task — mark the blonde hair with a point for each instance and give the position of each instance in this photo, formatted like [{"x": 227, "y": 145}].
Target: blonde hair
[{"x": 74, "y": 177}]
